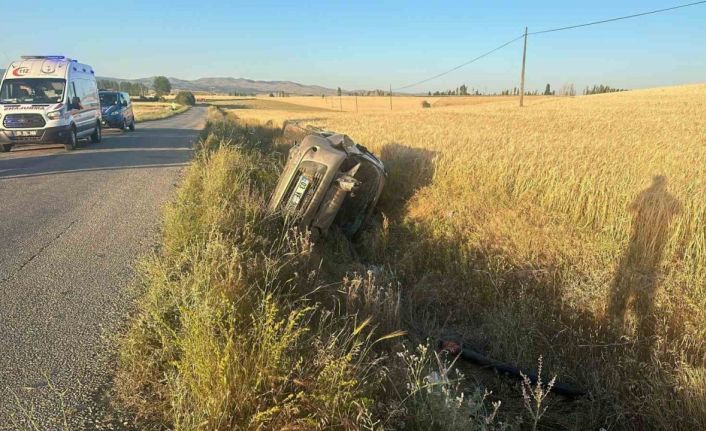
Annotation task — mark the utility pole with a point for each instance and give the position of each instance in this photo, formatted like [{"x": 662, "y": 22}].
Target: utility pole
[
  {"x": 522, "y": 78},
  {"x": 340, "y": 103},
  {"x": 356, "y": 101},
  {"x": 390, "y": 97}
]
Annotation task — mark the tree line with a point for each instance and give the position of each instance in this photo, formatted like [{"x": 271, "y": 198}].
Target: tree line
[
  {"x": 567, "y": 89},
  {"x": 132, "y": 88},
  {"x": 600, "y": 89},
  {"x": 160, "y": 86}
]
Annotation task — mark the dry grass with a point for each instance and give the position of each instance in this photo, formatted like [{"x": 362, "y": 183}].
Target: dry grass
[
  {"x": 245, "y": 325},
  {"x": 148, "y": 111},
  {"x": 228, "y": 335},
  {"x": 573, "y": 228}
]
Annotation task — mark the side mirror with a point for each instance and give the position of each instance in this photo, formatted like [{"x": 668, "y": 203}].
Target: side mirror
[
  {"x": 75, "y": 103},
  {"x": 124, "y": 103}
]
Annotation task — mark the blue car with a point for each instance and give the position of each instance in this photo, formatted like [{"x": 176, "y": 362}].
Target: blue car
[{"x": 116, "y": 108}]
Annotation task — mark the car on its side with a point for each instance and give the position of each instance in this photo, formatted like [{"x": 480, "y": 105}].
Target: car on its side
[
  {"x": 48, "y": 99},
  {"x": 116, "y": 109}
]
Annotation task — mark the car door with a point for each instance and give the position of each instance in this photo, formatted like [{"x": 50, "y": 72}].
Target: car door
[
  {"x": 76, "y": 104},
  {"x": 84, "y": 119},
  {"x": 91, "y": 104},
  {"x": 129, "y": 114}
]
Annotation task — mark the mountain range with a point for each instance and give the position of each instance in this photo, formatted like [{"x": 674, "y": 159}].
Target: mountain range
[
  {"x": 238, "y": 85},
  {"x": 233, "y": 85}
]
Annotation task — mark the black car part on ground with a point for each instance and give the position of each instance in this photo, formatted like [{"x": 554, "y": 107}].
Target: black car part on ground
[
  {"x": 453, "y": 345},
  {"x": 328, "y": 179}
]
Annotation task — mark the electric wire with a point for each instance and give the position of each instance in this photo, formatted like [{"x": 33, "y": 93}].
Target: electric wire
[
  {"x": 461, "y": 65},
  {"x": 618, "y": 18},
  {"x": 551, "y": 30}
]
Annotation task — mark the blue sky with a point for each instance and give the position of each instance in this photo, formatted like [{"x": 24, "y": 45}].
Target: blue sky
[{"x": 366, "y": 44}]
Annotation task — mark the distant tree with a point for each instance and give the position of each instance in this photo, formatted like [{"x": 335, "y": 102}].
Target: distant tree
[
  {"x": 600, "y": 89},
  {"x": 161, "y": 85},
  {"x": 548, "y": 90},
  {"x": 185, "y": 98},
  {"x": 463, "y": 90},
  {"x": 429, "y": 93},
  {"x": 339, "y": 92},
  {"x": 272, "y": 95},
  {"x": 567, "y": 90}
]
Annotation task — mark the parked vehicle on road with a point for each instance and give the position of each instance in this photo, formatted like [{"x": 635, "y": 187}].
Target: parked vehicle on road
[
  {"x": 48, "y": 99},
  {"x": 116, "y": 110}
]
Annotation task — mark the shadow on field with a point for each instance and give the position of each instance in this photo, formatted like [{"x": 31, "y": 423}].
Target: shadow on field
[
  {"x": 146, "y": 148},
  {"x": 409, "y": 169},
  {"x": 458, "y": 280},
  {"x": 637, "y": 277}
]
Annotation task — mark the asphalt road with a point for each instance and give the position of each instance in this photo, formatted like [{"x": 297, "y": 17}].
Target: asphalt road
[{"x": 72, "y": 225}]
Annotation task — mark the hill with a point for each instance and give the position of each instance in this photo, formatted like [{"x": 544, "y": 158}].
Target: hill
[
  {"x": 240, "y": 85},
  {"x": 229, "y": 85}
]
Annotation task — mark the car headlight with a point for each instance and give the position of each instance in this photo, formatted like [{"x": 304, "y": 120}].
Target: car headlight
[{"x": 54, "y": 115}]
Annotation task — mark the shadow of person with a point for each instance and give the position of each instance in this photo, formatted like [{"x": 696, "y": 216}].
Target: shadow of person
[{"x": 635, "y": 283}]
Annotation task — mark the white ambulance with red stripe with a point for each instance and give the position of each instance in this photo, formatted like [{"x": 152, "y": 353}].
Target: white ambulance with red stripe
[{"x": 48, "y": 99}]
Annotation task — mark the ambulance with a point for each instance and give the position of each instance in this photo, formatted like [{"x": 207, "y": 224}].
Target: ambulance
[{"x": 48, "y": 99}]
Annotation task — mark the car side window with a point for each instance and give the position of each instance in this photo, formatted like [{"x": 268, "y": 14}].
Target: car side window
[
  {"x": 90, "y": 91},
  {"x": 71, "y": 92},
  {"x": 81, "y": 90}
]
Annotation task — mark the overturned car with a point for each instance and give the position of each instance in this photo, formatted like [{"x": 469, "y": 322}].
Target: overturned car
[{"x": 328, "y": 179}]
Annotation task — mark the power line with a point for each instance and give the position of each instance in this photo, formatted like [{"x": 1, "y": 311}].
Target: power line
[
  {"x": 461, "y": 65},
  {"x": 619, "y": 18},
  {"x": 547, "y": 31}
]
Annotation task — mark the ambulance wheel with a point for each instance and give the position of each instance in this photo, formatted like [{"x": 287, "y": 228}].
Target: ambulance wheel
[
  {"x": 70, "y": 144},
  {"x": 97, "y": 135}
]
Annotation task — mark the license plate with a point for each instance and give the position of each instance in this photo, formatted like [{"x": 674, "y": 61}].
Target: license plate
[
  {"x": 26, "y": 132},
  {"x": 299, "y": 191}
]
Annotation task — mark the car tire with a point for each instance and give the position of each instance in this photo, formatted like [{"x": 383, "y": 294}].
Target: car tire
[
  {"x": 123, "y": 126},
  {"x": 72, "y": 141},
  {"x": 132, "y": 125},
  {"x": 5, "y": 148},
  {"x": 97, "y": 135}
]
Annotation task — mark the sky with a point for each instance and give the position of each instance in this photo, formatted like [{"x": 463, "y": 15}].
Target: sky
[{"x": 367, "y": 44}]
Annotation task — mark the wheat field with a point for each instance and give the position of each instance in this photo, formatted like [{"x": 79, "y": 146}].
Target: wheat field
[{"x": 573, "y": 228}]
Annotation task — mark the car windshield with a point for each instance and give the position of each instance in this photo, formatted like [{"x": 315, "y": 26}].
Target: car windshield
[
  {"x": 32, "y": 90},
  {"x": 108, "y": 99}
]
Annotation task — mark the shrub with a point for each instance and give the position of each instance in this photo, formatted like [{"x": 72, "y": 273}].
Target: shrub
[
  {"x": 185, "y": 98},
  {"x": 426, "y": 104}
]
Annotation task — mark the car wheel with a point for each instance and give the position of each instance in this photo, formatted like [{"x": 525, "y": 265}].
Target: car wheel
[
  {"x": 5, "y": 148},
  {"x": 132, "y": 125},
  {"x": 123, "y": 125},
  {"x": 70, "y": 144},
  {"x": 97, "y": 135}
]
